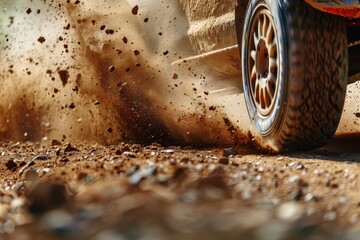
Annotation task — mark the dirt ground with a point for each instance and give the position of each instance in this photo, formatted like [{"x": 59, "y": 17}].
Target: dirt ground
[
  {"x": 103, "y": 137},
  {"x": 58, "y": 190}
]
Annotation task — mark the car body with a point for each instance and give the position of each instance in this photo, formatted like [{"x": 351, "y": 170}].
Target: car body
[{"x": 212, "y": 31}]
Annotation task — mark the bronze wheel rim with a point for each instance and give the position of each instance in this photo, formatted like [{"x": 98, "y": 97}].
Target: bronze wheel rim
[{"x": 263, "y": 61}]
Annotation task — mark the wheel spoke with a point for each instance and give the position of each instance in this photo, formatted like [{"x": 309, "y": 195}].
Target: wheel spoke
[
  {"x": 253, "y": 55},
  {"x": 257, "y": 90},
  {"x": 256, "y": 40},
  {"x": 259, "y": 28},
  {"x": 273, "y": 63},
  {"x": 264, "y": 26},
  {"x": 269, "y": 34},
  {"x": 269, "y": 92},
  {"x": 253, "y": 73},
  {"x": 272, "y": 78},
  {"x": 266, "y": 99}
]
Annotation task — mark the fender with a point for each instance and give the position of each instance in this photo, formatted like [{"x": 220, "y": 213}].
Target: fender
[{"x": 344, "y": 8}]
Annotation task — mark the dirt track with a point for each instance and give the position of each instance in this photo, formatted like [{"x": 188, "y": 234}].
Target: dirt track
[
  {"x": 128, "y": 191},
  {"x": 80, "y": 78}
]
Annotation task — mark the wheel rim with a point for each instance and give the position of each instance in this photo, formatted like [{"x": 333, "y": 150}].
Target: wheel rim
[{"x": 263, "y": 61}]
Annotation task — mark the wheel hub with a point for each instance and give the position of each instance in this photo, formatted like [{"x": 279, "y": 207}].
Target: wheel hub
[{"x": 263, "y": 63}]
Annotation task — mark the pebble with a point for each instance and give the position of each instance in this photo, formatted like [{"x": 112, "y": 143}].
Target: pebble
[
  {"x": 290, "y": 212},
  {"x": 224, "y": 161},
  {"x": 229, "y": 152},
  {"x": 60, "y": 223},
  {"x": 330, "y": 216},
  {"x": 138, "y": 176},
  {"x": 70, "y": 148}
]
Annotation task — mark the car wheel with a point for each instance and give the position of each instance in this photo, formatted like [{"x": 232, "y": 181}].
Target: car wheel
[{"x": 294, "y": 63}]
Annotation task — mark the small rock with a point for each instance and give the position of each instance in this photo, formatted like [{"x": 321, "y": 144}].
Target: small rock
[
  {"x": 290, "y": 212},
  {"x": 343, "y": 200},
  {"x": 330, "y": 216},
  {"x": 47, "y": 196},
  {"x": 55, "y": 142},
  {"x": 140, "y": 175},
  {"x": 190, "y": 196},
  {"x": 60, "y": 222},
  {"x": 70, "y": 148},
  {"x": 129, "y": 154},
  {"x": 168, "y": 151},
  {"x": 224, "y": 161},
  {"x": 9, "y": 227},
  {"x": 229, "y": 152}
]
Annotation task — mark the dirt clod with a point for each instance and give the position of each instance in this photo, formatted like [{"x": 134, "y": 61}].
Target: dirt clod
[
  {"x": 41, "y": 39},
  {"x": 135, "y": 10}
]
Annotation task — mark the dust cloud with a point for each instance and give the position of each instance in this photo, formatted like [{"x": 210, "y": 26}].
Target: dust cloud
[
  {"x": 101, "y": 72},
  {"x": 104, "y": 72}
]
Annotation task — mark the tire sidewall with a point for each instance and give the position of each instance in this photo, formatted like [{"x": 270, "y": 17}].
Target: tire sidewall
[{"x": 268, "y": 126}]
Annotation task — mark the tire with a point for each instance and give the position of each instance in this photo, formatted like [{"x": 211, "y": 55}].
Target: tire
[{"x": 294, "y": 71}]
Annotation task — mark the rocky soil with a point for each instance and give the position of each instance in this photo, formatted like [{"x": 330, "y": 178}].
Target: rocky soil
[{"x": 58, "y": 190}]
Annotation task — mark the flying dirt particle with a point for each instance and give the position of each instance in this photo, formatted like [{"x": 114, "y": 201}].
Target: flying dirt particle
[
  {"x": 125, "y": 40},
  {"x": 64, "y": 76},
  {"x": 72, "y": 106},
  {"x": 97, "y": 103},
  {"x": 206, "y": 93},
  {"x": 77, "y": 2},
  {"x": 109, "y": 31},
  {"x": 48, "y": 71},
  {"x": 166, "y": 52},
  {"x": 102, "y": 27},
  {"x": 146, "y": 20},
  {"x": 127, "y": 69},
  {"x": 212, "y": 108},
  {"x": 118, "y": 51},
  {"x": 111, "y": 68},
  {"x": 160, "y": 33},
  {"x": 138, "y": 65},
  {"x": 93, "y": 22},
  {"x": 56, "y": 90},
  {"x": 357, "y": 115},
  {"x": 175, "y": 76},
  {"x": 61, "y": 38},
  {"x": 109, "y": 130},
  {"x": 28, "y": 11},
  {"x": 135, "y": 10},
  {"x": 41, "y": 39},
  {"x": 136, "y": 52},
  {"x": 67, "y": 27},
  {"x": 66, "y": 46},
  {"x": 38, "y": 11}
]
